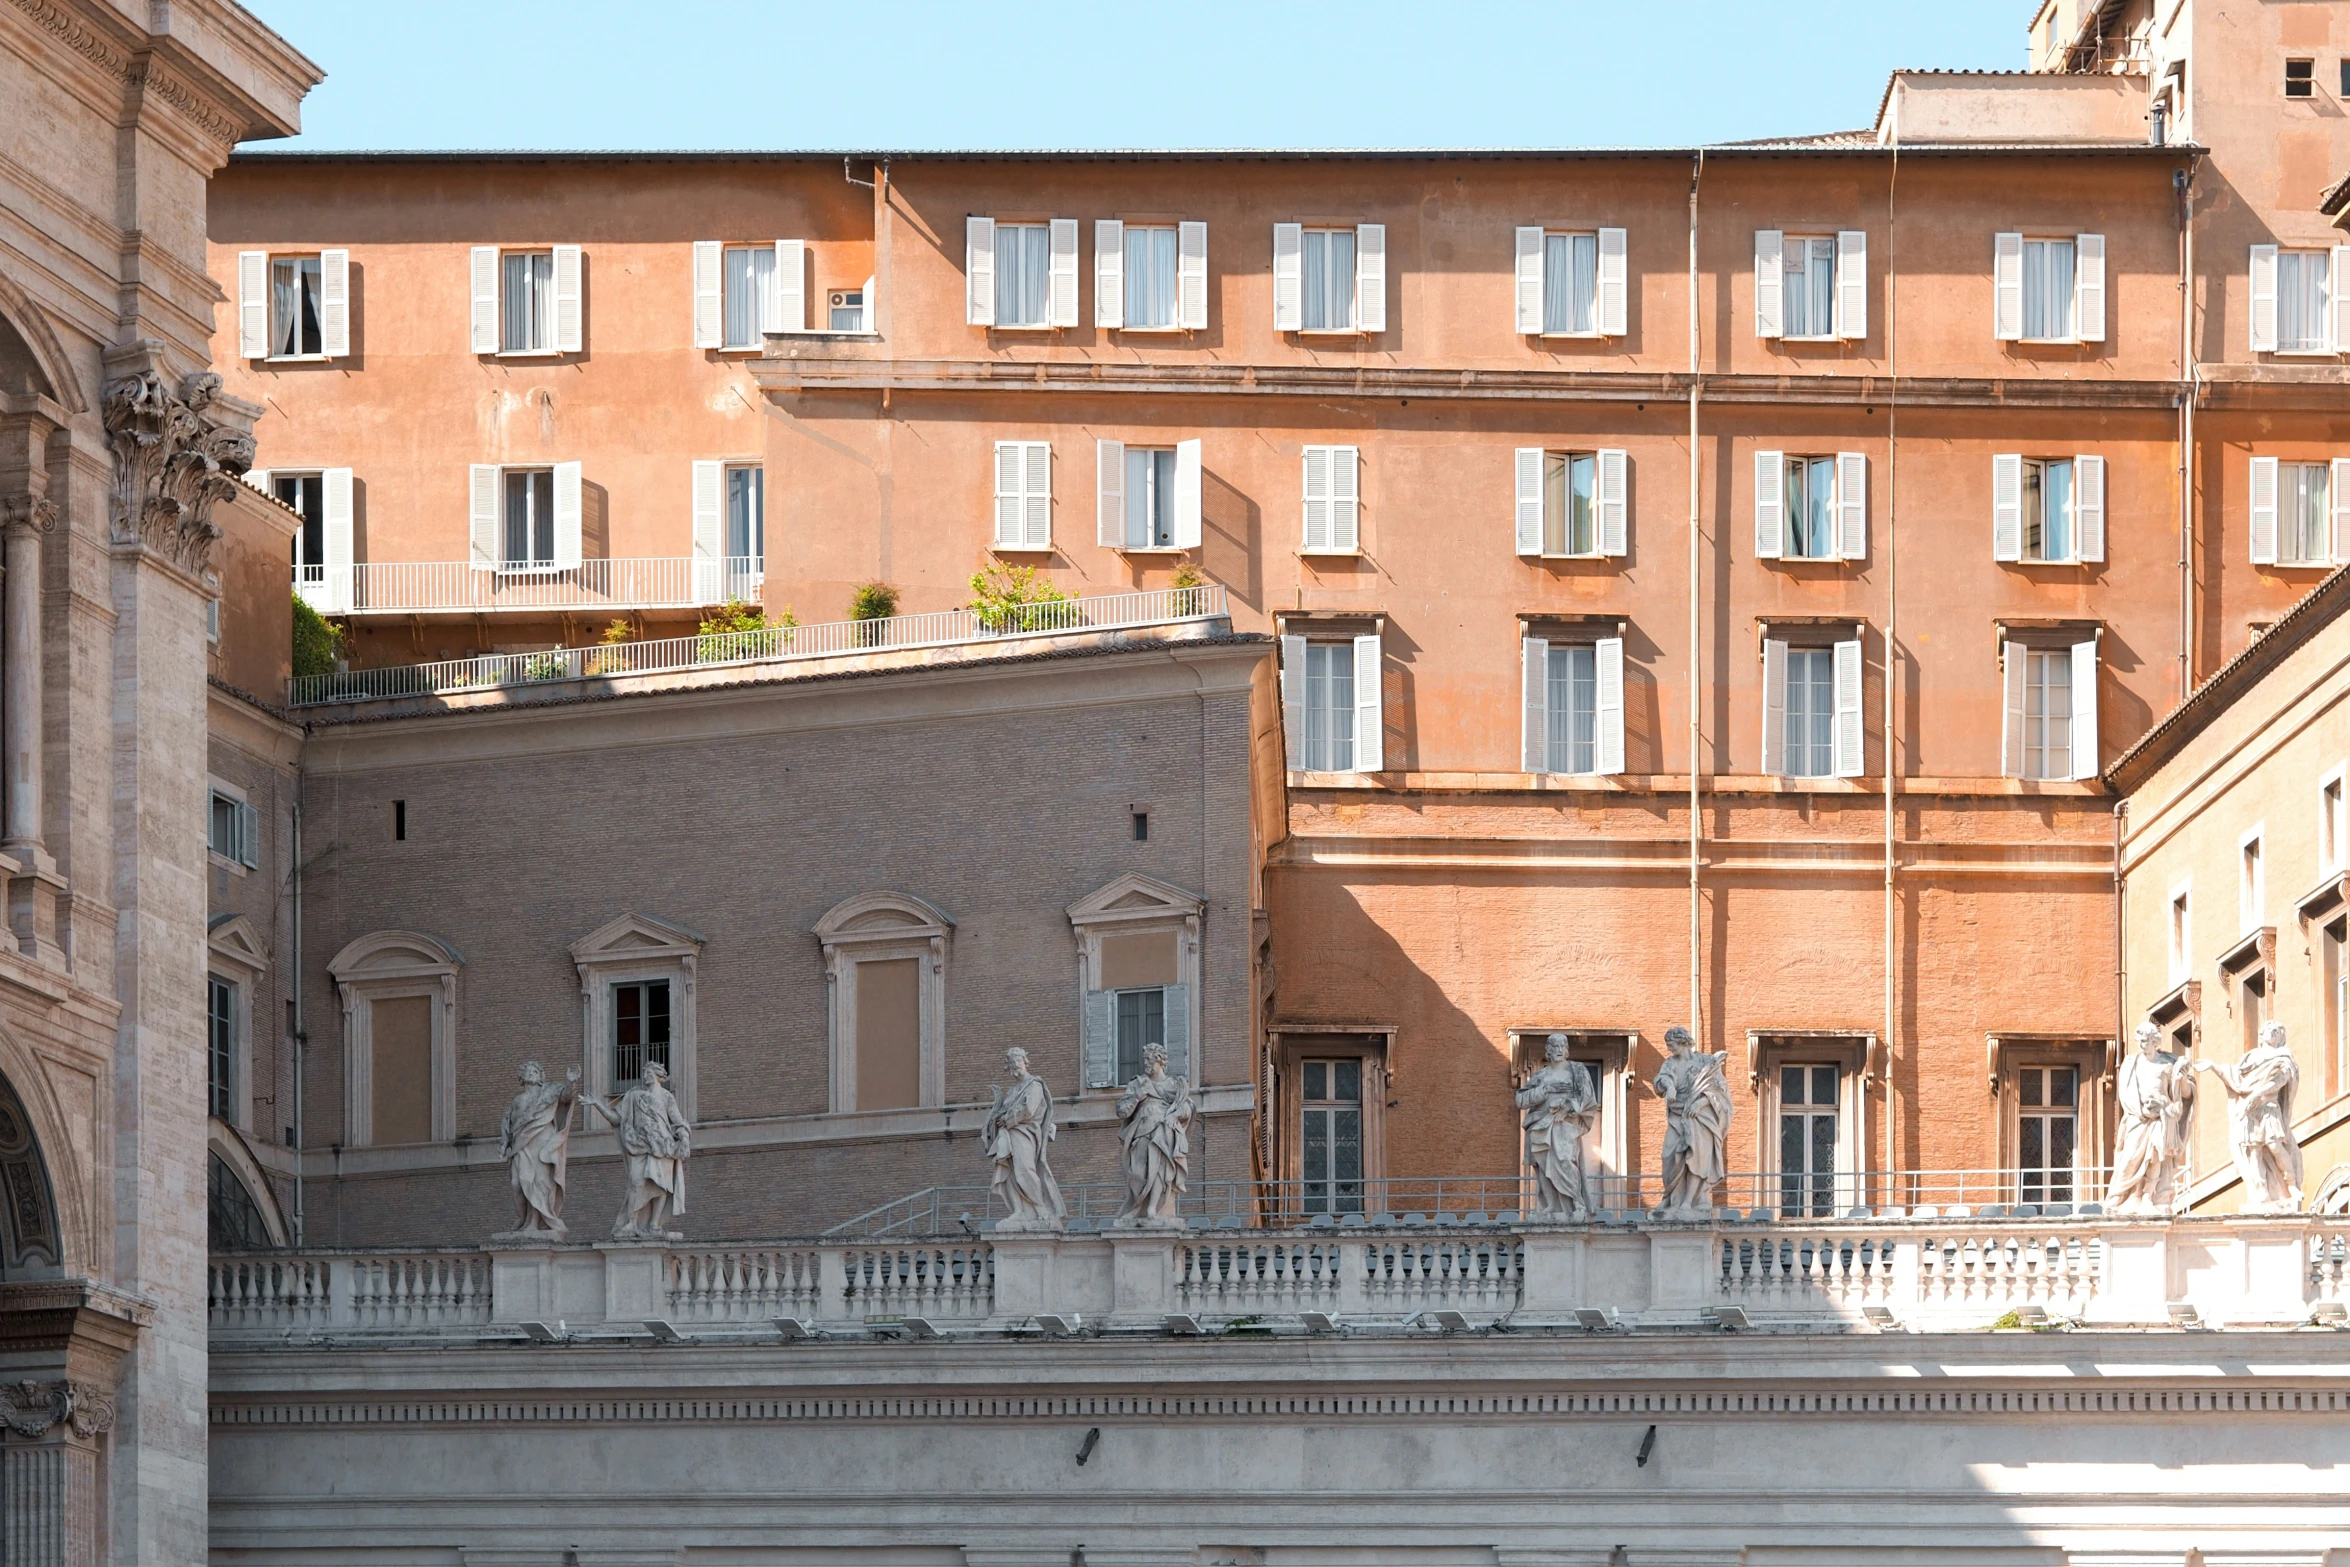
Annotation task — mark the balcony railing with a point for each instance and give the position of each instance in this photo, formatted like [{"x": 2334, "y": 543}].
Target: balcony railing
[
  {"x": 458, "y": 587},
  {"x": 776, "y": 644}
]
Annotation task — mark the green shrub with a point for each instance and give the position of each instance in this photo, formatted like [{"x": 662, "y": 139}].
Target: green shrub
[
  {"x": 318, "y": 641},
  {"x": 1016, "y": 598},
  {"x": 873, "y": 601},
  {"x": 718, "y": 631}
]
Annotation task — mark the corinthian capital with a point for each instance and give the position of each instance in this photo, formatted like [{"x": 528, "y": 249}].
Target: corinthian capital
[{"x": 173, "y": 463}]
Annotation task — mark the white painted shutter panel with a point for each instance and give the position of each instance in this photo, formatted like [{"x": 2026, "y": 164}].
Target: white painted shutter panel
[
  {"x": 1530, "y": 286},
  {"x": 334, "y": 303},
  {"x": 566, "y": 514},
  {"x": 1370, "y": 277},
  {"x": 258, "y": 478},
  {"x": 1187, "y": 455},
  {"x": 2264, "y": 299},
  {"x": 709, "y": 535},
  {"x": 1774, "y": 734},
  {"x": 2007, "y": 506},
  {"x": 2264, "y": 511},
  {"x": 252, "y": 304},
  {"x": 2338, "y": 300},
  {"x": 2085, "y": 763},
  {"x": 570, "y": 326},
  {"x": 2089, "y": 287},
  {"x": 1109, "y": 273},
  {"x": 1613, "y": 500},
  {"x": 1370, "y": 718},
  {"x": 1608, "y": 751},
  {"x": 1191, "y": 276},
  {"x": 1011, "y": 459},
  {"x": 1534, "y": 724},
  {"x": 1852, "y": 506},
  {"x": 1852, "y": 284},
  {"x": 2338, "y": 494},
  {"x": 1109, "y": 493},
  {"x": 1529, "y": 507},
  {"x": 1614, "y": 283},
  {"x": 1317, "y": 498},
  {"x": 1770, "y": 264},
  {"x": 483, "y": 489},
  {"x": 335, "y": 488},
  {"x": 866, "y": 317},
  {"x": 1036, "y": 503},
  {"x": 788, "y": 310},
  {"x": 1770, "y": 505},
  {"x": 485, "y": 299},
  {"x": 1063, "y": 298},
  {"x": 2089, "y": 508},
  {"x": 1346, "y": 499},
  {"x": 709, "y": 294},
  {"x": 1848, "y": 725},
  {"x": 979, "y": 270},
  {"x": 1175, "y": 1010},
  {"x": 2007, "y": 287},
  {"x": 1101, "y": 1057},
  {"x": 1293, "y": 699},
  {"x": 1289, "y": 275},
  {"x": 2012, "y": 661}
]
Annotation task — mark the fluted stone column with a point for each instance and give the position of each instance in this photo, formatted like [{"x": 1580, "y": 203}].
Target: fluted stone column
[
  {"x": 49, "y": 1473},
  {"x": 33, "y": 885}
]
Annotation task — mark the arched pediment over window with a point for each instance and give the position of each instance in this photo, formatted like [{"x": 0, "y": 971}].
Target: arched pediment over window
[
  {"x": 240, "y": 1209},
  {"x": 387, "y": 952},
  {"x": 885, "y": 963},
  {"x": 399, "y": 994},
  {"x": 886, "y": 916}
]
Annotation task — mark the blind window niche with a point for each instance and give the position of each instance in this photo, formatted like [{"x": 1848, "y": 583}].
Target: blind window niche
[
  {"x": 400, "y": 1033},
  {"x": 889, "y": 1033}
]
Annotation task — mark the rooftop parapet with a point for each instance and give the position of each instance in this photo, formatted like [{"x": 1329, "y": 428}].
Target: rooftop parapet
[{"x": 2012, "y": 108}]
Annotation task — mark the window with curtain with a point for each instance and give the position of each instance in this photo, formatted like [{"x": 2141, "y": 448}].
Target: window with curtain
[
  {"x": 1150, "y": 276},
  {"x": 746, "y": 513},
  {"x": 750, "y": 274},
  {"x": 1150, "y": 497},
  {"x": 1808, "y": 277},
  {"x": 1811, "y": 508},
  {"x": 526, "y": 302},
  {"x": 221, "y": 1057},
  {"x": 294, "y": 329},
  {"x": 1811, "y": 712},
  {"x": 530, "y": 516},
  {"x": 2048, "y": 712},
  {"x": 304, "y": 494},
  {"x": 1570, "y": 524},
  {"x": 1807, "y": 1141},
  {"x": 2048, "y": 288},
  {"x": 1328, "y": 260},
  {"x": 640, "y": 1029},
  {"x": 2305, "y": 526},
  {"x": 2048, "y": 510},
  {"x": 1142, "y": 1020},
  {"x": 2047, "y": 1119},
  {"x": 1570, "y": 282},
  {"x": 1572, "y": 695},
  {"x": 2301, "y": 301},
  {"x": 1023, "y": 274},
  {"x": 1330, "y": 708}
]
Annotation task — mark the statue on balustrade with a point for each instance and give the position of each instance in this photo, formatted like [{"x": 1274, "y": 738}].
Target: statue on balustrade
[
  {"x": 2260, "y": 1121},
  {"x": 1157, "y": 1111},
  {"x": 1559, "y": 1103},
  {"x": 1018, "y": 1138},
  {"x": 2157, "y": 1094},
  {"x": 535, "y": 1141},
  {"x": 656, "y": 1138},
  {"x": 1696, "y": 1090}
]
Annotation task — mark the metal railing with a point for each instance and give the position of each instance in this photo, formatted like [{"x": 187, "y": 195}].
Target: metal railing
[
  {"x": 462, "y": 587},
  {"x": 940, "y": 628}
]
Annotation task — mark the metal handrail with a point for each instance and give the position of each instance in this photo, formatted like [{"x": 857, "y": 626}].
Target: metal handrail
[{"x": 468, "y": 587}]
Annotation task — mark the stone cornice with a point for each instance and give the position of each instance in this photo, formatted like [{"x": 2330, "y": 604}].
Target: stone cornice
[{"x": 208, "y": 97}]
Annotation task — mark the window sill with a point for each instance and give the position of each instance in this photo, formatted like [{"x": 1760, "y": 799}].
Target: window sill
[
  {"x": 2302, "y": 353},
  {"x": 295, "y": 359},
  {"x": 1152, "y": 331},
  {"x": 1022, "y": 549},
  {"x": 1332, "y": 554},
  {"x": 1565, "y": 555},
  {"x": 1331, "y": 331},
  {"x": 1573, "y": 337},
  {"x": 1039, "y": 327},
  {"x": 528, "y": 353},
  {"x": 223, "y": 862},
  {"x": 1152, "y": 549},
  {"x": 1832, "y": 339},
  {"x": 2028, "y": 561},
  {"x": 2298, "y": 565}
]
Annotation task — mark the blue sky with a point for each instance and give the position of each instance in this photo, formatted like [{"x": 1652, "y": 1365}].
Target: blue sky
[{"x": 1044, "y": 73}]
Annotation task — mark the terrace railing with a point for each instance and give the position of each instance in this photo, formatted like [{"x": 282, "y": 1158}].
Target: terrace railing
[{"x": 461, "y": 587}]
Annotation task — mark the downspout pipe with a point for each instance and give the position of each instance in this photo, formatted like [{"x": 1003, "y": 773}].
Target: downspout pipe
[
  {"x": 2190, "y": 393},
  {"x": 1892, "y": 638},
  {"x": 1696, "y": 680}
]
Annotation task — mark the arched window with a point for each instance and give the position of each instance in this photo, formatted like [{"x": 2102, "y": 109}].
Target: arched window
[{"x": 28, "y": 1214}]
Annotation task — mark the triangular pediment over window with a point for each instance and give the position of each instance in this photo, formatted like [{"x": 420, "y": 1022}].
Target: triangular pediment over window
[
  {"x": 636, "y": 936},
  {"x": 235, "y": 939},
  {"x": 1134, "y": 896}
]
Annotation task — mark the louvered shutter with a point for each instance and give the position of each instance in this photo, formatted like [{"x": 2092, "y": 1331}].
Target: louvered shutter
[
  {"x": 1289, "y": 271},
  {"x": 1848, "y": 725},
  {"x": 2085, "y": 762},
  {"x": 2338, "y": 493},
  {"x": 485, "y": 299},
  {"x": 2007, "y": 287},
  {"x": 1608, "y": 757},
  {"x": 2338, "y": 300},
  {"x": 1770, "y": 265},
  {"x": 2089, "y": 287},
  {"x": 570, "y": 322},
  {"x": 1109, "y": 493},
  {"x": 252, "y": 304},
  {"x": 334, "y": 303},
  {"x": 1529, "y": 288},
  {"x": 709, "y": 294},
  {"x": 335, "y": 492},
  {"x": 1175, "y": 1009},
  {"x": 1187, "y": 485},
  {"x": 2264, "y": 299},
  {"x": 1613, "y": 500},
  {"x": 1852, "y": 284},
  {"x": 1063, "y": 299},
  {"x": 2089, "y": 509},
  {"x": 248, "y": 835},
  {"x": 1774, "y": 728},
  {"x": 2264, "y": 511},
  {"x": 1109, "y": 273},
  {"x": 1534, "y": 701},
  {"x": 1370, "y": 277},
  {"x": 1037, "y": 495},
  {"x": 2007, "y": 506},
  {"x": 1011, "y": 461},
  {"x": 1852, "y": 506},
  {"x": 1529, "y": 506},
  {"x": 1346, "y": 499},
  {"x": 1191, "y": 276},
  {"x": 1317, "y": 499},
  {"x": 484, "y": 489},
  {"x": 1370, "y": 716},
  {"x": 1614, "y": 284},
  {"x": 567, "y": 514},
  {"x": 1293, "y": 700},
  {"x": 1770, "y": 505},
  {"x": 709, "y": 531},
  {"x": 2013, "y": 658},
  {"x": 979, "y": 271},
  {"x": 788, "y": 310},
  {"x": 1100, "y": 1043}
]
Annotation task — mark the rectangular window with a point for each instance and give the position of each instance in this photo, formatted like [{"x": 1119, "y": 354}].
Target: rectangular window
[
  {"x": 1570, "y": 519},
  {"x": 1811, "y": 712},
  {"x": 1329, "y": 280},
  {"x": 2331, "y": 823},
  {"x": 2182, "y": 949},
  {"x": 1330, "y": 1138},
  {"x": 2300, "y": 78},
  {"x": 1023, "y": 274},
  {"x": 2047, "y": 1112},
  {"x": 1811, "y": 508},
  {"x": 2301, "y": 301},
  {"x": 1150, "y": 497},
  {"x": 2251, "y": 884},
  {"x": 1151, "y": 281},
  {"x": 1142, "y": 1020},
  {"x": 1807, "y": 1141},
  {"x": 1809, "y": 283},
  {"x": 2305, "y": 524},
  {"x": 235, "y": 831},
  {"x": 847, "y": 310},
  {"x": 640, "y": 1029},
  {"x": 2049, "y": 273},
  {"x": 305, "y": 495},
  {"x": 2048, "y": 713},
  {"x": 295, "y": 327},
  {"x": 1573, "y": 728},
  {"x": 526, "y": 311},
  {"x": 750, "y": 284},
  {"x": 2049, "y": 534},
  {"x": 530, "y": 517},
  {"x": 1570, "y": 283},
  {"x": 221, "y": 1009},
  {"x": 746, "y": 514},
  {"x": 2336, "y": 978},
  {"x": 1330, "y": 708}
]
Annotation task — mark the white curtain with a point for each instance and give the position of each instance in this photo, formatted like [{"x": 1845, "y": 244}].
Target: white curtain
[
  {"x": 2301, "y": 300},
  {"x": 1570, "y": 281},
  {"x": 1150, "y": 277},
  {"x": 1023, "y": 274},
  {"x": 1329, "y": 280},
  {"x": 750, "y": 273},
  {"x": 528, "y": 301}
]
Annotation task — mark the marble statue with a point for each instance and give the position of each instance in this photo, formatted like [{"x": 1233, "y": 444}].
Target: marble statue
[
  {"x": 1558, "y": 1102},
  {"x": 2156, "y": 1094},
  {"x": 1018, "y": 1138},
  {"x": 1156, "y": 1110},
  {"x": 656, "y": 1138},
  {"x": 1696, "y": 1090},
  {"x": 535, "y": 1141},
  {"x": 2260, "y": 1122}
]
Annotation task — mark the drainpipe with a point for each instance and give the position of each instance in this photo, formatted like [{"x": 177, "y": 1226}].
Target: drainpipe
[
  {"x": 1892, "y": 624},
  {"x": 2121, "y": 982},
  {"x": 2190, "y": 393},
  {"x": 301, "y": 1039},
  {"x": 1696, "y": 681}
]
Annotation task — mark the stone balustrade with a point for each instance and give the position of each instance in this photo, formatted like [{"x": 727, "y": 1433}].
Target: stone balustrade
[{"x": 1924, "y": 1274}]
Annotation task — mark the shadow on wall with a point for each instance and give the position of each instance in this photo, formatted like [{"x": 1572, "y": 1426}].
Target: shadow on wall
[{"x": 1232, "y": 537}]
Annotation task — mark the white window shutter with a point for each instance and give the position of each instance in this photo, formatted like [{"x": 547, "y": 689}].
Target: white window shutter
[
  {"x": 2007, "y": 287},
  {"x": 2089, "y": 509},
  {"x": 1109, "y": 493},
  {"x": 570, "y": 323},
  {"x": 1770, "y": 505},
  {"x": 1100, "y": 1044},
  {"x": 2338, "y": 300},
  {"x": 709, "y": 294},
  {"x": 1529, "y": 508},
  {"x": 2013, "y": 659},
  {"x": 1191, "y": 276},
  {"x": 335, "y": 490},
  {"x": 1293, "y": 699},
  {"x": 1317, "y": 498},
  {"x": 2007, "y": 506},
  {"x": 1529, "y": 289},
  {"x": 1612, "y": 498},
  {"x": 1289, "y": 275},
  {"x": 1774, "y": 733},
  {"x": 1852, "y": 284},
  {"x": 258, "y": 478},
  {"x": 566, "y": 514},
  {"x": 485, "y": 489},
  {"x": 1346, "y": 498},
  {"x": 1370, "y": 717},
  {"x": 1770, "y": 265},
  {"x": 1109, "y": 273},
  {"x": 1175, "y": 1011},
  {"x": 1849, "y": 731},
  {"x": 1370, "y": 277},
  {"x": 485, "y": 299},
  {"x": 2264, "y": 511},
  {"x": 1534, "y": 724},
  {"x": 2085, "y": 762},
  {"x": 1011, "y": 462},
  {"x": 2089, "y": 287},
  {"x": 252, "y": 304},
  {"x": 334, "y": 303},
  {"x": 709, "y": 533},
  {"x": 1037, "y": 495},
  {"x": 788, "y": 311},
  {"x": 866, "y": 317},
  {"x": 2338, "y": 496},
  {"x": 1614, "y": 284},
  {"x": 1063, "y": 299},
  {"x": 979, "y": 270},
  {"x": 1852, "y": 506},
  {"x": 2264, "y": 299},
  {"x": 1608, "y": 749},
  {"x": 1187, "y": 478}
]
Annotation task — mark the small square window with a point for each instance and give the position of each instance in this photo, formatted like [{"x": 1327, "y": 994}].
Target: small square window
[
  {"x": 2300, "y": 78},
  {"x": 1142, "y": 826}
]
